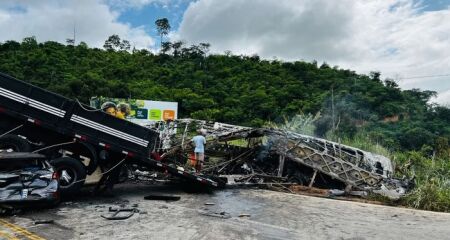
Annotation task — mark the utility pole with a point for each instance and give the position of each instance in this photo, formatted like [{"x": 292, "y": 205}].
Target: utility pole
[
  {"x": 74, "y": 33},
  {"x": 332, "y": 108}
]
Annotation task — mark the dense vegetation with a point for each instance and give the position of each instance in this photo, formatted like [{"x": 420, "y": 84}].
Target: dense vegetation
[{"x": 244, "y": 90}]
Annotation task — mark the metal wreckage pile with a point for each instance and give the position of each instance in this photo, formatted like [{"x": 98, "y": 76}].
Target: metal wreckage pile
[{"x": 281, "y": 160}]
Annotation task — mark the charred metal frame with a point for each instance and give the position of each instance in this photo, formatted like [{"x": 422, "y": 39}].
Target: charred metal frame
[{"x": 355, "y": 168}]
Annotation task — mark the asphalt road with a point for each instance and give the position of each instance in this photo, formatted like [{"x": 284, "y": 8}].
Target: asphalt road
[{"x": 267, "y": 215}]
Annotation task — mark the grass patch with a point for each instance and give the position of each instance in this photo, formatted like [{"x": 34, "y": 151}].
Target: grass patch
[{"x": 432, "y": 179}]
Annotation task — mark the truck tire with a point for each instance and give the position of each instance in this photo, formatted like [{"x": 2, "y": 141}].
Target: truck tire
[
  {"x": 14, "y": 143},
  {"x": 124, "y": 174},
  {"x": 72, "y": 174}
]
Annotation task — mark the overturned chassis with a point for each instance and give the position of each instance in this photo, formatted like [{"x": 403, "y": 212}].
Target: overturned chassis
[{"x": 270, "y": 155}]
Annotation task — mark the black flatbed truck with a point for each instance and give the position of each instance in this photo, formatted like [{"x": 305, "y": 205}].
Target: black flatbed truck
[{"x": 55, "y": 125}]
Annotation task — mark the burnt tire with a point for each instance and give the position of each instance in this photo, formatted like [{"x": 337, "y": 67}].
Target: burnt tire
[
  {"x": 72, "y": 174},
  {"x": 14, "y": 143},
  {"x": 298, "y": 178}
]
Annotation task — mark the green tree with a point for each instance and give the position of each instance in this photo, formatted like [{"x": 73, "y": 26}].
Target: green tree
[
  {"x": 163, "y": 28},
  {"x": 237, "y": 89},
  {"x": 112, "y": 43}
]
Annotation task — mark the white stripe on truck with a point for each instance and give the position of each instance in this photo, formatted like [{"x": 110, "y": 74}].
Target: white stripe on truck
[
  {"x": 32, "y": 103},
  {"x": 108, "y": 130},
  {"x": 75, "y": 118}
]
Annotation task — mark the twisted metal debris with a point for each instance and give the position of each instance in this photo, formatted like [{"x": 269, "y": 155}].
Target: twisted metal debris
[{"x": 273, "y": 155}]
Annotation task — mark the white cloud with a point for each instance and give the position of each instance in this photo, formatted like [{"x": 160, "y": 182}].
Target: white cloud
[
  {"x": 392, "y": 36},
  {"x": 138, "y": 4},
  {"x": 132, "y": 3},
  {"x": 444, "y": 98},
  {"x": 54, "y": 20}
]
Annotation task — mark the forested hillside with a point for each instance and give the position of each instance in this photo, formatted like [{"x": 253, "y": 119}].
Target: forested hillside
[{"x": 243, "y": 90}]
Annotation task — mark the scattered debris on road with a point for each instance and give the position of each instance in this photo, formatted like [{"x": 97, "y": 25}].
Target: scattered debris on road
[
  {"x": 162, "y": 197},
  {"x": 223, "y": 215},
  {"x": 44, "y": 221},
  {"x": 244, "y": 215},
  {"x": 117, "y": 213}
]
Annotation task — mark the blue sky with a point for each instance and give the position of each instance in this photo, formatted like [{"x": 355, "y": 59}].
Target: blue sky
[
  {"x": 147, "y": 15},
  {"x": 433, "y": 5}
]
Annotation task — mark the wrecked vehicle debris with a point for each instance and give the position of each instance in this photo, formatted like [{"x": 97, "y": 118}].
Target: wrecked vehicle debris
[
  {"x": 262, "y": 156},
  {"x": 76, "y": 139},
  {"x": 83, "y": 140},
  {"x": 27, "y": 178}
]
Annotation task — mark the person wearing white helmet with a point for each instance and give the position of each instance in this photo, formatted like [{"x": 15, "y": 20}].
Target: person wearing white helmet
[{"x": 109, "y": 108}]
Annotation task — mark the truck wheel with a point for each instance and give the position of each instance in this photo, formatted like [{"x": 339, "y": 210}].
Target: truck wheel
[
  {"x": 124, "y": 174},
  {"x": 72, "y": 174},
  {"x": 14, "y": 143}
]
